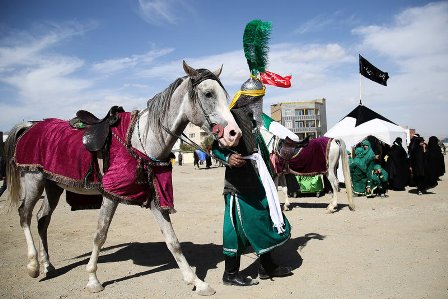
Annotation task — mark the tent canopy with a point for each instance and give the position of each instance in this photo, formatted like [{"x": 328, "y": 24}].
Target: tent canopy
[{"x": 362, "y": 122}]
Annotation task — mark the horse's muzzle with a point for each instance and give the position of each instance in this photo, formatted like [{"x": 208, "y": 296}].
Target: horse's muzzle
[
  {"x": 228, "y": 136},
  {"x": 218, "y": 131}
]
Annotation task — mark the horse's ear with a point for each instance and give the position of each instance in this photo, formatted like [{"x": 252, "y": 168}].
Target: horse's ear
[
  {"x": 191, "y": 72},
  {"x": 218, "y": 71}
]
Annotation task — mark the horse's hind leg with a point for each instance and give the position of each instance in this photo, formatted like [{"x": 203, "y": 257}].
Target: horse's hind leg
[
  {"x": 332, "y": 178},
  {"x": 106, "y": 214},
  {"x": 32, "y": 188},
  {"x": 49, "y": 204},
  {"x": 163, "y": 219}
]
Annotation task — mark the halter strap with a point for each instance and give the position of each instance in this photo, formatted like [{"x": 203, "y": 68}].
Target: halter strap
[{"x": 195, "y": 81}]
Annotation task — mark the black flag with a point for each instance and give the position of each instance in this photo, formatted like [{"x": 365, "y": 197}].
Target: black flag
[{"x": 369, "y": 71}]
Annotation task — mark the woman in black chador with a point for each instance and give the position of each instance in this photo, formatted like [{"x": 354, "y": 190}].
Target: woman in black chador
[
  {"x": 424, "y": 177},
  {"x": 435, "y": 157},
  {"x": 397, "y": 166}
]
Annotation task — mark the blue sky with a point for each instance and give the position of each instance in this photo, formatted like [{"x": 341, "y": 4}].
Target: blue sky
[{"x": 57, "y": 57}]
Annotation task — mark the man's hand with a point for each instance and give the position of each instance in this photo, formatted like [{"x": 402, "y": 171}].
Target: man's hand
[{"x": 236, "y": 160}]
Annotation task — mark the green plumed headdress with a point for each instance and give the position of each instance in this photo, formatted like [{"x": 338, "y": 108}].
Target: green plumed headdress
[{"x": 256, "y": 45}]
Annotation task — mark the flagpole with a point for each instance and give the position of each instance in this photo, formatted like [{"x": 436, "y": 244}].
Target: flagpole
[{"x": 360, "y": 89}]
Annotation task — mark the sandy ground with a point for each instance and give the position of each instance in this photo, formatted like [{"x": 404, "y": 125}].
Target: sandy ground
[{"x": 395, "y": 247}]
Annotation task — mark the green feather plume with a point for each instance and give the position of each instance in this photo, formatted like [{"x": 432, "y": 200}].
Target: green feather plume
[{"x": 255, "y": 44}]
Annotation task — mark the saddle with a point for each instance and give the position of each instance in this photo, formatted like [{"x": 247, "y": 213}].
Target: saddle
[
  {"x": 289, "y": 148},
  {"x": 96, "y": 136},
  {"x": 96, "y": 130}
]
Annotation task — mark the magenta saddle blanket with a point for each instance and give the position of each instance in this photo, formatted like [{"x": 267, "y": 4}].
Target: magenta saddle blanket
[
  {"x": 311, "y": 159},
  {"x": 56, "y": 148}
]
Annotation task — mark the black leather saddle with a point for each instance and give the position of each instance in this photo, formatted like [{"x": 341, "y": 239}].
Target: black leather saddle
[
  {"x": 96, "y": 137},
  {"x": 288, "y": 148},
  {"x": 96, "y": 130}
]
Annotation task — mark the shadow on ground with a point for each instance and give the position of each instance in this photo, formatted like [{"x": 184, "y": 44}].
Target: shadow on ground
[
  {"x": 201, "y": 256},
  {"x": 315, "y": 205}
]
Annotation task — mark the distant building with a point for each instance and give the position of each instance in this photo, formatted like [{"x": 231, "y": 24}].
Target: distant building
[
  {"x": 304, "y": 118},
  {"x": 196, "y": 134}
]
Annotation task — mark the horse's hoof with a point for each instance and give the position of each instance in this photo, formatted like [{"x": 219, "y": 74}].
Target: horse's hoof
[
  {"x": 94, "y": 287},
  {"x": 206, "y": 291},
  {"x": 33, "y": 273},
  {"x": 47, "y": 270},
  {"x": 287, "y": 208},
  {"x": 331, "y": 210},
  {"x": 352, "y": 208},
  {"x": 33, "y": 270}
]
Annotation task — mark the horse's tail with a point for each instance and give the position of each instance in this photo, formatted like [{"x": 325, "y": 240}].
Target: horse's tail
[
  {"x": 346, "y": 172},
  {"x": 12, "y": 173}
]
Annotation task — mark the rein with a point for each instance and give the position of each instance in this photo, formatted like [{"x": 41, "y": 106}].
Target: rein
[{"x": 191, "y": 143}]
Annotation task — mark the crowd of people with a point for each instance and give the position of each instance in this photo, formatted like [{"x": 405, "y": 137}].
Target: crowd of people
[{"x": 375, "y": 167}]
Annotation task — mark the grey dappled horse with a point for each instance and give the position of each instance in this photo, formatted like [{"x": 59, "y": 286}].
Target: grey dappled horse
[
  {"x": 337, "y": 151},
  {"x": 199, "y": 100}
]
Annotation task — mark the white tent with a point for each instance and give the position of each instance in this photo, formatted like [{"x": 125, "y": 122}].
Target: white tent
[{"x": 362, "y": 122}]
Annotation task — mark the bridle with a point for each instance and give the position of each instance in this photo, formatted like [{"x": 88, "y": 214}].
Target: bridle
[{"x": 217, "y": 129}]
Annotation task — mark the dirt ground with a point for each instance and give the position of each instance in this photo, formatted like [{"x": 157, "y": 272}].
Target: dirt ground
[{"x": 395, "y": 247}]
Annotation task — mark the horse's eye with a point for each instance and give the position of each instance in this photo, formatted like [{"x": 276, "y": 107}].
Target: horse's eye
[{"x": 208, "y": 94}]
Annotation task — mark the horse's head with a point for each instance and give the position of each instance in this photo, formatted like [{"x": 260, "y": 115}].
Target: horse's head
[{"x": 208, "y": 106}]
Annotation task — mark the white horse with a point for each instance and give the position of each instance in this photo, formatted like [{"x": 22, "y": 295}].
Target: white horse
[
  {"x": 337, "y": 151},
  {"x": 198, "y": 98}
]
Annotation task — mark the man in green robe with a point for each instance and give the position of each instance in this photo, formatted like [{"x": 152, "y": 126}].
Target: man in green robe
[
  {"x": 361, "y": 167},
  {"x": 377, "y": 182},
  {"x": 358, "y": 172},
  {"x": 252, "y": 216},
  {"x": 369, "y": 156}
]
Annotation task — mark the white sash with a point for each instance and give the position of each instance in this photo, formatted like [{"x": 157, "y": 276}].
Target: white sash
[{"x": 271, "y": 192}]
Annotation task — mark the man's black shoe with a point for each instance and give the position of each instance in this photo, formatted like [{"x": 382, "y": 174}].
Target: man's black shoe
[
  {"x": 235, "y": 279},
  {"x": 278, "y": 271}
]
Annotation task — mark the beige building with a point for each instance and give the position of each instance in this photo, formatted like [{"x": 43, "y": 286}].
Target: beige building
[
  {"x": 196, "y": 134},
  {"x": 304, "y": 118}
]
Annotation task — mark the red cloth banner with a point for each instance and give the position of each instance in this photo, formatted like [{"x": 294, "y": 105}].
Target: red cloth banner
[{"x": 275, "y": 79}]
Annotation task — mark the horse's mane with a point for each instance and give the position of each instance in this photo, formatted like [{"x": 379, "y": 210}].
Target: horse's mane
[{"x": 160, "y": 103}]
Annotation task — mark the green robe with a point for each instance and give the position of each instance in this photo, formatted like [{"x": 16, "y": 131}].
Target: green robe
[
  {"x": 361, "y": 166},
  {"x": 358, "y": 172},
  {"x": 377, "y": 181},
  {"x": 247, "y": 221}
]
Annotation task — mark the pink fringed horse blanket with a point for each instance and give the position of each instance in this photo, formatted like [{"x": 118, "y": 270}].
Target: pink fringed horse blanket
[
  {"x": 54, "y": 147},
  {"x": 311, "y": 159}
]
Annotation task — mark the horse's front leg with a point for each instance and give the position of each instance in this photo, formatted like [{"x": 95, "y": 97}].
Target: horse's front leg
[
  {"x": 49, "y": 204},
  {"x": 280, "y": 180},
  {"x": 287, "y": 206},
  {"x": 163, "y": 219},
  {"x": 106, "y": 214}
]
